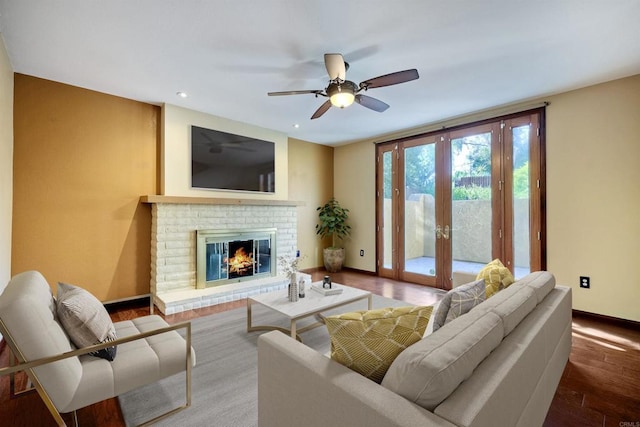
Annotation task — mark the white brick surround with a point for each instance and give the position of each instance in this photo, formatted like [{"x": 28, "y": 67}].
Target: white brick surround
[{"x": 173, "y": 249}]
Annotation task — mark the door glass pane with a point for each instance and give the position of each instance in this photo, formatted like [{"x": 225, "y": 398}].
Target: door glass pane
[
  {"x": 420, "y": 209},
  {"x": 387, "y": 192},
  {"x": 520, "y": 138},
  {"x": 471, "y": 202}
]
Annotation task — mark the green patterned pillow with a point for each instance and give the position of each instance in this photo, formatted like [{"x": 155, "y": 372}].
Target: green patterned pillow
[
  {"x": 496, "y": 277},
  {"x": 368, "y": 341}
]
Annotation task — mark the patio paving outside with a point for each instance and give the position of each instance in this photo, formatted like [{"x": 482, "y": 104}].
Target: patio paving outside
[{"x": 426, "y": 265}]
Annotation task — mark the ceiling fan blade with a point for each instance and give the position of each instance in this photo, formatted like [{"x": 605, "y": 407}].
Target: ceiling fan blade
[
  {"x": 294, "y": 92},
  {"x": 335, "y": 66},
  {"x": 391, "y": 79},
  {"x": 323, "y": 109},
  {"x": 371, "y": 103}
]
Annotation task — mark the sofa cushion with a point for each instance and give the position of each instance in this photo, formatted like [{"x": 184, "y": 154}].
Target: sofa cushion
[
  {"x": 516, "y": 302},
  {"x": 511, "y": 305},
  {"x": 542, "y": 282},
  {"x": 85, "y": 319},
  {"x": 430, "y": 370},
  {"x": 139, "y": 362},
  {"x": 459, "y": 301},
  {"x": 496, "y": 277},
  {"x": 368, "y": 341}
]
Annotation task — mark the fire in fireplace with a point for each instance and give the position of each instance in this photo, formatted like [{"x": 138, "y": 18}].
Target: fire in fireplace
[
  {"x": 241, "y": 263},
  {"x": 233, "y": 256}
]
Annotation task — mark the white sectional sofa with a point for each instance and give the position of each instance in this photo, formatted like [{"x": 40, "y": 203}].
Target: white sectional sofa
[{"x": 498, "y": 365}]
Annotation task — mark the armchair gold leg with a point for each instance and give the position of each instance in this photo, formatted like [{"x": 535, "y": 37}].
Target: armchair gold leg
[{"x": 12, "y": 382}]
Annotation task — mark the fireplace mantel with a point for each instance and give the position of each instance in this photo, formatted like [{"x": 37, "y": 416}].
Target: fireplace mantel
[{"x": 152, "y": 199}]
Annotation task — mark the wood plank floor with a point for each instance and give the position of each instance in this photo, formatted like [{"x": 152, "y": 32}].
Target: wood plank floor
[{"x": 600, "y": 385}]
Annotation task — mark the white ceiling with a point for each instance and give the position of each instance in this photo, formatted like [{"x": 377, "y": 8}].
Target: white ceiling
[{"x": 471, "y": 54}]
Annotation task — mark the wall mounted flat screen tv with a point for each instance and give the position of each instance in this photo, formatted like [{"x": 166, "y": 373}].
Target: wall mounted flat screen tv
[{"x": 224, "y": 161}]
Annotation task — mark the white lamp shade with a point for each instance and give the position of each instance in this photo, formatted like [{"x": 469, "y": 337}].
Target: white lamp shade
[
  {"x": 342, "y": 94},
  {"x": 342, "y": 99}
]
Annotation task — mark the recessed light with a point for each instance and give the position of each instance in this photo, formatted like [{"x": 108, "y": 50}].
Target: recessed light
[
  {"x": 296, "y": 126},
  {"x": 182, "y": 94}
]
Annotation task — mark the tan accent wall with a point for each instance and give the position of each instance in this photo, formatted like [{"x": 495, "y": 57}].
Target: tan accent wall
[
  {"x": 355, "y": 189},
  {"x": 82, "y": 161},
  {"x": 593, "y": 196},
  {"x": 6, "y": 164},
  {"x": 311, "y": 182}
]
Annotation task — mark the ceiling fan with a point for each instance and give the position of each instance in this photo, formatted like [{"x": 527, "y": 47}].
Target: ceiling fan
[{"x": 342, "y": 92}]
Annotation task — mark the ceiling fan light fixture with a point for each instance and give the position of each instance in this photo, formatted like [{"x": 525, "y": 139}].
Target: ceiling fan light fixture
[{"x": 342, "y": 95}]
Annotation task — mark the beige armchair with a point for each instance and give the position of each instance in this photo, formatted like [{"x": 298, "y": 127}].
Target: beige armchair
[{"x": 148, "y": 349}]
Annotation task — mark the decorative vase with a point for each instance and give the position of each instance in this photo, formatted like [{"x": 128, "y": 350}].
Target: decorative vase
[{"x": 293, "y": 287}]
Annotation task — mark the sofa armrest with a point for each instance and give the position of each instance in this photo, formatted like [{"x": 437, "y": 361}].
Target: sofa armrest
[
  {"x": 299, "y": 386},
  {"x": 22, "y": 365}
]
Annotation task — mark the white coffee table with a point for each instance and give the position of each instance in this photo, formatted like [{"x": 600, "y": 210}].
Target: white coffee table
[{"x": 313, "y": 304}]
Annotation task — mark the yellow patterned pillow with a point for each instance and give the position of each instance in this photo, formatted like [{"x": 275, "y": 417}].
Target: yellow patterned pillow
[
  {"x": 496, "y": 277},
  {"x": 369, "y": 341}
]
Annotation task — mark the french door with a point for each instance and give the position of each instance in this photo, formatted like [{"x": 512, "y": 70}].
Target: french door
[{"x": 454, "y": 200}]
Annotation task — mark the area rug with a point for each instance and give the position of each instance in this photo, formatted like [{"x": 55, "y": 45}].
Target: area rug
[{"x": 224, "y": 380}]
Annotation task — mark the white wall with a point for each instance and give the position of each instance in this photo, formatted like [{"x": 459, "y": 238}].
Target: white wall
[
  {"x": 176, "y": 153},
  {"x": 6, "y": 163}
]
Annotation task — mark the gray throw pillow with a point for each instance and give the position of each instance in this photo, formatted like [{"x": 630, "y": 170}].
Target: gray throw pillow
[
  {"x": 459, "y": 301},
  {"x": 85, "y": 320}
]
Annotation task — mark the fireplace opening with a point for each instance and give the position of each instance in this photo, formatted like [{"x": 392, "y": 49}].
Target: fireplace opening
[
  {"x": 224, "y": 257},
  {"x": 241, "y": 262}
]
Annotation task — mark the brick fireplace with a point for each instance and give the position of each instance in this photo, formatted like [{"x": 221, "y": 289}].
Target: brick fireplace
[{"x": 175, "y": 222}]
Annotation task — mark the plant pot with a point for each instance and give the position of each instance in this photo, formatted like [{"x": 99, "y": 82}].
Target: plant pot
[{"x": 333, "y": 259}]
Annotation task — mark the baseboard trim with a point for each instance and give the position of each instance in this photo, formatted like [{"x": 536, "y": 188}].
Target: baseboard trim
[
  {"x": 133, "y": 302},
  {"x": 608, "y": 319},
  {"x": 355, "y": 270},
  {"x": 345, "y": 269}
]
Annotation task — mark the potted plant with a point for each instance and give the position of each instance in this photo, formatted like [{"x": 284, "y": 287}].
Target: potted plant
[{"x": 333, "y": 219}]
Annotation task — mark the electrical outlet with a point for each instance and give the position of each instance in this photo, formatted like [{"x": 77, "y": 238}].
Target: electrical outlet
[
  {"x": 585, "y": 282},
  {"x": 361, "y": 252}
]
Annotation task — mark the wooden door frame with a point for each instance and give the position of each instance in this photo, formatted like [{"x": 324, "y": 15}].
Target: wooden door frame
[
  {"x": 404, "y": 275},
  {"x": 501, "y": 191},
  {"x": 380, "y": 150}
]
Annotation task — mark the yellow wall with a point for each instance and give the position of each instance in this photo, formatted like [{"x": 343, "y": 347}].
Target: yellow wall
[
  {"x": 593, "y": 195},
  {"x": 355, "y": 189},
  {"x": 6, "y": 164},
  {"x": 176, "y": 153},
  {"x": 82, "y": 161},
  {"x": 311, "y": 182}
]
